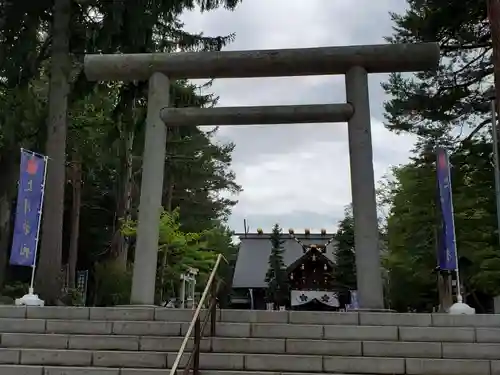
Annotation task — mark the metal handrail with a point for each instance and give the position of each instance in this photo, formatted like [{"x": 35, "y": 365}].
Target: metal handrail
[{"x": 194, "y": 358}]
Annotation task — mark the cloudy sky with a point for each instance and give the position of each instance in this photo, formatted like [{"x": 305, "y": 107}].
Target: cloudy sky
[{"x": 298, "y": 175}]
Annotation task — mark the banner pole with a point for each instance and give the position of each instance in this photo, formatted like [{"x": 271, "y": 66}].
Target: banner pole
[
  {"x": 496, "y": 163},
  {"x": 449, "y": 249},
  {"x": 459, "y": 287},
  {"x": 33, "y": 266}
]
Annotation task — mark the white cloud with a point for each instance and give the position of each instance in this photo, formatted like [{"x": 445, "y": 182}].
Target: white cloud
[
  {"x": 315, "y": 177},
  {"x": 298, "y": 175}
]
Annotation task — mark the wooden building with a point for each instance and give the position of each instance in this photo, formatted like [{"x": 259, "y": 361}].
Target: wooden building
[{"x": 309, "y": 259}]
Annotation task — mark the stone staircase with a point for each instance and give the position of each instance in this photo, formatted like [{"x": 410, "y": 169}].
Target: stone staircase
[{"x": 144, "y": 341}]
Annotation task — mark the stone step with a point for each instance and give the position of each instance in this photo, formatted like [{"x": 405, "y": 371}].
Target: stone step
[
  {"x": 250, "y": 362},
  {"x": 98, "y": 342},
  {"x": 255, "y": 330},
  {"x": 47, "y": 370},
  {"x": 255, "y": 346},
  {"x": 248, "y": 316},
  {"x": 92, "y": 327}
]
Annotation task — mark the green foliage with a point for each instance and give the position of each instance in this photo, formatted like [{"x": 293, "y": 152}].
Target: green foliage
[
  {"x": 178, "y": 251},
  {"x": 411, "y": 251},
  {"x": 184, "y": 249},
  {"x": 199, "y": 167},
  {"x": 412, "y": 228},
  {"x": 475, "y": 218},
  {"x": 104, "y": 117},
  {"x": 441, "y": 108},
  {"x": 15, "y": 290},
  {"x": 111, "y": 285},
  {"x": 73, "y": 297},
  {"x": 219, "y": 238},
  {"x": 345, "y": 259},
  {"x": 430, "y": 104},
  {"x": 276, "y": 276},
  {"x": 6, "y": 300}
]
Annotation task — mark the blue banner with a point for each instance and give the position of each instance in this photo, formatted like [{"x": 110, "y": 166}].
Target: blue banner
[
  {"x": 29, "y": 209},
  {"x": 447, "y": 252}
]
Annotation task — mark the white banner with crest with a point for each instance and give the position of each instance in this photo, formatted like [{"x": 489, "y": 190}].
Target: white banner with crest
[{"x": 301, "y": 297}]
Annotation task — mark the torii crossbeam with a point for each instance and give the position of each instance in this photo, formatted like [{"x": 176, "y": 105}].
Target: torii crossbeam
[{"x": 356, "y": 62}]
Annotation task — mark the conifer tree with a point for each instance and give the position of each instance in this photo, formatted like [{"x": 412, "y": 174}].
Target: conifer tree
[
  {"x": 276, "y": 276},
  {"x": 345, "y": 262},
  {"x": 451, "y": 108}
]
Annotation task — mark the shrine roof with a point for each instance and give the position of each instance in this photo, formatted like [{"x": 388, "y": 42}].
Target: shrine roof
[{"x": 253, "y": 256}]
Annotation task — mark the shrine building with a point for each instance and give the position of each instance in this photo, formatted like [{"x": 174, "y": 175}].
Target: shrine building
[{"x": 309, "y": 259}]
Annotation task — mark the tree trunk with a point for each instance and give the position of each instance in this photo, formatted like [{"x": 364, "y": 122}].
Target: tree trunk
[
  {"x": 76, "y": 169},
  {"x": 128, "y": 191},
  {"x": 9, "y": 172},
  {"x": 170, "y": 196},
  {"x": 167, "y": 204},
  {"x": 167, "y": 207},
  {"x": 49, "y": 268},
  {"x": 5, "y": 214},
  {"x": 119, "y": 244}
]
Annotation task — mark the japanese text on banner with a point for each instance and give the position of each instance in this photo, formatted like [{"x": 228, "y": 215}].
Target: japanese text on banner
[
  {"x": 29, "y": 205},
  {"x": 447, "y": 258}
]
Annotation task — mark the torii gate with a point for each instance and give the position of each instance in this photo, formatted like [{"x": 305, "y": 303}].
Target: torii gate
[{"x": 356, "y": 62}]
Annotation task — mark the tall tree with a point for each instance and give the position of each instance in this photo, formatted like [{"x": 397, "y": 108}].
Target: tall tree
[
  {"x": 411, "y": 238},
  {"x": 276, "y": 276},
  {"x": 432, "y": 105},
  {"x": 413, "y": 229},
  {"x": 198, "y": 175},
  {"x": 441, "y": 109},
  {"x": 49, "y": 265},
  {"x": 197, "y": 168},
  {"x": 159, "y": 31},
  {"x": 345, "y": 258},
  {"x": 220, "y": 239},
  {"x": 106, "y": 131},
  {"x": 23, "y": 49}
]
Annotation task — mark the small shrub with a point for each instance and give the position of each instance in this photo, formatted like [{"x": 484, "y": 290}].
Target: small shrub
[
  {"x": 112, "y": 284},
  {"x": 4, "y": 300},
  {"x": 73, "y": 297},
  {"x": 14, "y": 290}
]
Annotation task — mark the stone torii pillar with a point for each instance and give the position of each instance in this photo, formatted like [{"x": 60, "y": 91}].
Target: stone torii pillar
[
  {"x": 153, "y": 167},
  {"x": 364, "y": 206},
  {"x": 356, "y": 62}
]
